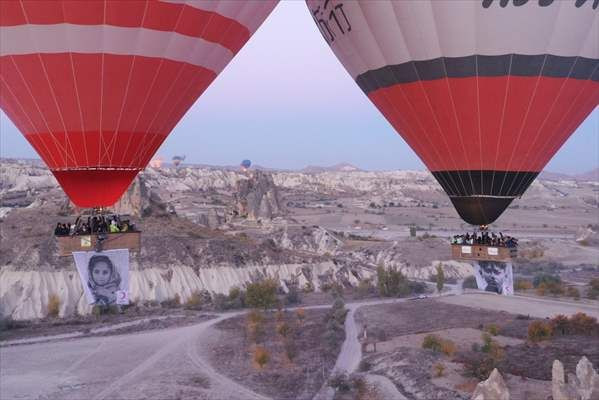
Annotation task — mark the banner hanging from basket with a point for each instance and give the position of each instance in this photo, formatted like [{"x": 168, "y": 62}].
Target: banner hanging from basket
[
  {"x": 104, "y": 276},
  {"x": 494, "y": 276}
]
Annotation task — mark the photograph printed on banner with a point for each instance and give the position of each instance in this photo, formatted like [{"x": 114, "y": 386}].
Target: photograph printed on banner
[
  {"x": 494, "y": 276},
  {"x": 104, "y": 276}
]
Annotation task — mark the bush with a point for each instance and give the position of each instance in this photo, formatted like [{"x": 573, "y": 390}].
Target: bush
[
  {"x": 546, "y": 279},
  {"x": 469, "y": 283},
  {"x": 194, "y": 302},
  {"x": 479, "y": 365},
  {"x": 493, "y": 329},
  {"x": 522, "y": 284},
  {"x": 538, "y": 331},
  {"x": 340, "y": 382},
  {"x": 582, "y": 324},
  {"x": 391, "y": 282},
  {"x": 283, "y": 329},
  {"x": 559, "y": 324},
  {"x": 293, "y": 296},
  {"x": 438, "y": 370},
  {"x": 573, "y": 292},
  {"x": 448, "y": 347},
  {"x": 432, "y": 342},
  {"x": 261, "y": 356},
  {"x": 365, "y": 288},
  {"x": 592, "y": 291},
  {"x": 440, "y": 279},
  {"x": 53, "y": 305},
  {"x": 290, "y": 350},
  {"x": 262, "y": 294},
  {"x": 301, "y": 315}
]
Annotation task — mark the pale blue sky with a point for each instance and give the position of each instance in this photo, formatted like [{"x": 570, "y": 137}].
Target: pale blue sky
[{"x": 286, "y": 102}]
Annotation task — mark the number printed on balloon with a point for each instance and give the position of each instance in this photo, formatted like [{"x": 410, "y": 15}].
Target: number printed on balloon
[{"x": 485, "y": 92}]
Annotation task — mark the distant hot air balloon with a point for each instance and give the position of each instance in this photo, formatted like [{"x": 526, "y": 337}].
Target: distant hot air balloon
[
  {"x": 245, "y": 164},
  {"x": 484, "y": 91},
  {"x": 178, "y": 160},
  {"x": 96, "y": 86}
]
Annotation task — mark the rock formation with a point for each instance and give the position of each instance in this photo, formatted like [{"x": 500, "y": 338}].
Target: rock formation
[
  {"x": 494, "y": 388},
  {"x": 582, "y": 386},
  {"x": 258, "y": 197}
]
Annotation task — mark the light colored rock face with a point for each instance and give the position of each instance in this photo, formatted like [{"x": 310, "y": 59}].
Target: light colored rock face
[
  {"x": 494, "y": 388},
  {"x": 582, "y": 386},
  {"x": 258, "y": 197},
  {"x": 25, "y": 294}
]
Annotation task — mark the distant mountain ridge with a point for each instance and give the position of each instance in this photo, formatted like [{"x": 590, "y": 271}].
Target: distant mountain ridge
[
  {"x": 592, "y": 175},
  {"x": 341, "y": 167}
]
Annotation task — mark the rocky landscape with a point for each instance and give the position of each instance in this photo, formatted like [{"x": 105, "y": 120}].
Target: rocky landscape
[{"x": 211, "y": 229}]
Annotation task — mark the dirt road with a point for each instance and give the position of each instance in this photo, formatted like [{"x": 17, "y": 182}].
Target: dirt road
[
  {"x": 535, "y": 307},
  {"x": 158, "y": 364}
]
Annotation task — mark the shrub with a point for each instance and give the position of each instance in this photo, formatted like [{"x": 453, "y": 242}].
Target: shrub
[
  {"x": 448, "y": 347},
  {"x": 194, "y": 302},
  {"x": 538, "y": 331},
  {"x": 365, "y": 288},
  {"x": 261, "y": 356},
  {"x": 432, "y": 342},
  {"x": 364, "y": 366},
  {"x": 469, "y": 283},
  {"x": 53, "y": 305},
  {"x": 545, "y": 278},
  {"x": 522, "y": 284},
  {"x": 493, "y": 329},
  {"x": 479, "y": 365},
  {"x": 440, "y": 278},
  {"x": 391, "y": 282},
  {"x": 262, "y": 294},
  {"x": 573, "y": 292},
  {"x": 283, "y": 329},
  {"x": 301, "y": 315},
  {"x": 582, "y": 324},
  {"x": 340, "y": 382},
  {"x": 255, "y": 317},
  {"x": 293, "y": 296},
  {"x": 559, "y": 324},
  {"x": 290, "y": 350},
  {"x": 438, "y": 370},
  {"x": 593, "y": 289}
]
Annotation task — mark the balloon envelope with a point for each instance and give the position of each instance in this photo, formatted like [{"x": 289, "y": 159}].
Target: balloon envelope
[
  {"x": 246, "y": 163},
  {"x": 96, "y": 86},
  {"x": 484, "y": 91}
]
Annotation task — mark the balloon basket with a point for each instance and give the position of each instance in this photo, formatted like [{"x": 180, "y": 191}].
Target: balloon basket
[
  {"x": 104, "y": 241},
  {"x": 481, "y": 252}
]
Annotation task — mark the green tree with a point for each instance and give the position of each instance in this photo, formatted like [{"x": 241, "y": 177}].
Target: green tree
[
  {"x": 261, "y": 294},
  {"x": 382, "y": 278},
  {"x": 440, "y": 279}
]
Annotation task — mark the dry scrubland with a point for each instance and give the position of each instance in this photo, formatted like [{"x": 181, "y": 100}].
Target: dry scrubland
[
  {"x": 282, "y": 354},
  {"x": 433, "y": 350}
]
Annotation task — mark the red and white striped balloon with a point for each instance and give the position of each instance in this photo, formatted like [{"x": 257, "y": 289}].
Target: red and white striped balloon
[{"x": 96, "y": 86}]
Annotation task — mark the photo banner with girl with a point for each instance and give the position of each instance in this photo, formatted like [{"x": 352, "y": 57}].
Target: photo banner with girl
[{"x": 104, "y": 276}]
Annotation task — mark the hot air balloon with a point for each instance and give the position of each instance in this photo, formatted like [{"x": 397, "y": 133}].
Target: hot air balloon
[
  {"x": 245, "y": 164},
  {"x": 178, "y": 160},
  {"x": 96, "y": 86},
  {"x": 484, "y": 91}
]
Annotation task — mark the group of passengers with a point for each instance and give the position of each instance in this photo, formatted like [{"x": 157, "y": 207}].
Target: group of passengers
[
  {"x": 486, "y": 238},
  {"x": 93, "y": 225}
]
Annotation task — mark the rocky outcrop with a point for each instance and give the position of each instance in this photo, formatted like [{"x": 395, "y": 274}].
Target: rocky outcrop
[
  {"x": 312, "y": 239},
  {"x": 588, "y": 236},
  {"x": 25, "y": 294},
  {"x": 582, "y": 386},
  {"x": 494, "y": 388},
  {"x": 257, "y": 197}
]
